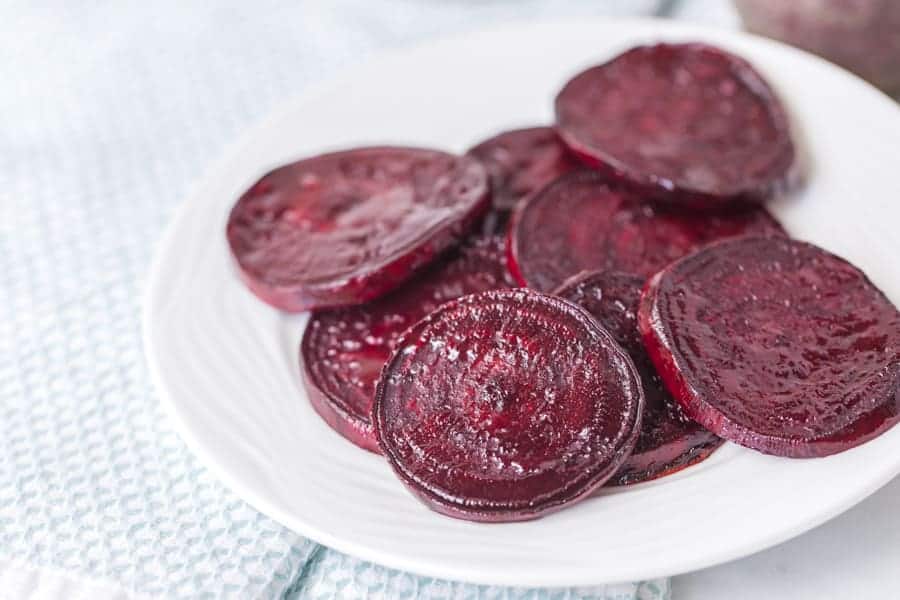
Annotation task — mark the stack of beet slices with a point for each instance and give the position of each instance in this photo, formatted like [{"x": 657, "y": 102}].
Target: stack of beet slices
[
  {"x": 344, "y": 349},
  {"x": 669, "y": 440},
  {"x": 602, "y": 301}
]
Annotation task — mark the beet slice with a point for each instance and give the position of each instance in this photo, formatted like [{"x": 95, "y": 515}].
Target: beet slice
[
  {"x": 347, "y": 227},
  {"x": 687, "y": 123},
  {"x": 669, "y": 441},
  {"x": 776, "y": 345},
  {"x": 344, "y": 349},
  {"x": 521, "y": 162},
  {"x": 506, "y": 405},
  {"x": 583, "y": 223}
]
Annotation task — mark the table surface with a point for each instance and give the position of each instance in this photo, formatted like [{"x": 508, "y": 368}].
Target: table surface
[{"x": 853, "y": 556}]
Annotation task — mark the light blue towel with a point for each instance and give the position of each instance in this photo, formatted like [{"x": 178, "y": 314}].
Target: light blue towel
[{"x": 108, "y": 113}]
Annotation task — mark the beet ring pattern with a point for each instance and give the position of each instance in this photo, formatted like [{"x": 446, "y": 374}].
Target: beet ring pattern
[
  {"x": 777, "y": 345},
  {"x": 507, "y": 405}
]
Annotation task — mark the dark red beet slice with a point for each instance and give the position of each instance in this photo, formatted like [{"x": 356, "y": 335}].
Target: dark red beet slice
[
  {"x": 344, "y": 349},
  {"x": 776, "y": 345},
  {"x": 506, "y": 405},
  {"x": 521, "y": 162},
  {"x": 688, "y": 123},
  {"x": 347, "y": 227},
  {"x": 581, "y": 223},
  {"x": 669, "y": 441}
]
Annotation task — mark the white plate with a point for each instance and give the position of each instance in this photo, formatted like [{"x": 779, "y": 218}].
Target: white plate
[{"x": 227, "y": 366}]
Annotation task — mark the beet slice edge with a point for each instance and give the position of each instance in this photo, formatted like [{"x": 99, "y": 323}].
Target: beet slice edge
[
  {"x": 689, "y": 124},
  {"x": 821, "y": 342},
  {"x": 669, "y": 441},
  {"x": 364, "y": 335},
  {"x": 584, "y": 222},
  {"x": 349, "y": 226},
  {"x": 520, "y": 162},
  {"x": 517, "y": 470}
]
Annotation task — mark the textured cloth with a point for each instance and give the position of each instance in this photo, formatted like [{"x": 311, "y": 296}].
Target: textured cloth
[{"x": 108, "y": 113}]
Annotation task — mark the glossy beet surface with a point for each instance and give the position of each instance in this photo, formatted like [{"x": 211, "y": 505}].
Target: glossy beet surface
[
  {"x": 688, "y": 123},
  {"x": 506, "y": 405},
  {"x": 347, "y": 227},
  {"x": 777, "y": 345},
  {"x": 344, "y": 349},
  {"x": 521, "y": 162},
  {"x": 669, "y": 441},
  {"x": 581, "y": 223}
]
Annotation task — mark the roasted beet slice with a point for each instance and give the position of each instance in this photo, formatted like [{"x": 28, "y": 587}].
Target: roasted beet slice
[
  {"x": 506, "y": 405},
  {"x": 776, "y": 345},
  {"x": 669, "y": 441},
  {"x": 344, "y": 349},
  {"x": 347, "y": 227},
  {"x": 581, "y": 223},
  {"x": 521, "y": 162},
  {"x": 687, "y": 123}
]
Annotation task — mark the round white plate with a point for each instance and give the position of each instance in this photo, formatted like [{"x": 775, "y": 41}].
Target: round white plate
[{"x": 227, "y": 364}]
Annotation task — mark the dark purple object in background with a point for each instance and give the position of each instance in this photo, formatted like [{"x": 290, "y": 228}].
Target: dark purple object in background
[{"x": 860, "y": 35}]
